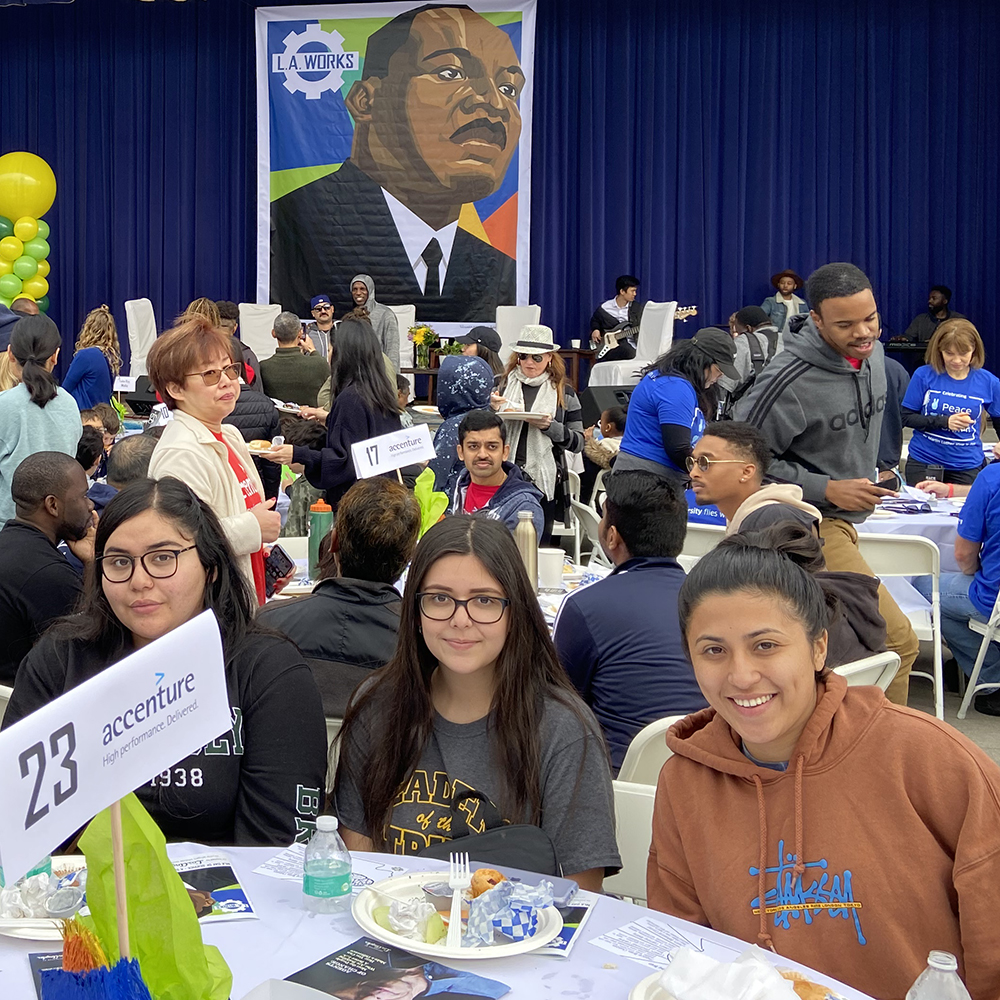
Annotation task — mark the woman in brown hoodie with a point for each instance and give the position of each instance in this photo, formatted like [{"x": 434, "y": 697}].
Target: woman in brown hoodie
[{"x": 869, "y": 830}]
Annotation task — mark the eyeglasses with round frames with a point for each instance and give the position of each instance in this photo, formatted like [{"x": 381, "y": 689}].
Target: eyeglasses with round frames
[
  {"x": 162, "y": 564},
  {"x": 483, "y": 610},
  {"x": 214, "y": 375},
  {"x": 704, "y": 463},
  {"x": 530, "y": 357}
]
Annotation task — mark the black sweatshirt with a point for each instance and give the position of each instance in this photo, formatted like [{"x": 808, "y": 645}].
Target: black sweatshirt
[
  {"x": 259, "y": 785},
  {"x": 37, "y": 585}
]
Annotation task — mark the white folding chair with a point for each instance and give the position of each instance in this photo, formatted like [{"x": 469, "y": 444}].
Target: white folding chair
[
  {"x": 648, "y": 752},
  {"x": 598, "y": 488},
  {"x": 5, "y": 693},
  {"x": 406, "y": 316},
  {"x": 256, "y": 324},
  {"x": 988, "y": 631},
  {"x": 912, "y": 555},
  {"x": 588, "y": 521},
  {"x": 701, "y": 539},
  {"x": 656, "y": 329},
  {"x": 510, "y": 321},
  {"x": 877, "y": 669},
  {"x": 141, "y": 324},
  {"x": 634, "y": 831}
]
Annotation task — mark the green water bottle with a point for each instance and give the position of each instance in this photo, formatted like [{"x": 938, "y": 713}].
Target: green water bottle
[{"x": 320, "y": 523}]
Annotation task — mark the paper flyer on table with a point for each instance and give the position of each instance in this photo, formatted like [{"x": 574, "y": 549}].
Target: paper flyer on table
[
  {"x": 288, "y": 866},
  {"x": 575, "y": 914},
  {"x": 650, "y": 942},
  {"x": 214, "y": 888}
]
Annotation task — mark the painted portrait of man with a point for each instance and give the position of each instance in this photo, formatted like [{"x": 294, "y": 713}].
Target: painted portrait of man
[{"x": 436, "y": 127}]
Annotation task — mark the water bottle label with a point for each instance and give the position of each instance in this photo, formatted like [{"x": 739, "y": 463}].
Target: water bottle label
[{"x": 325, "y": 887}]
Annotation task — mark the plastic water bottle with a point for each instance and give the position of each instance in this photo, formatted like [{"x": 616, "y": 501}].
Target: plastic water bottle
[
  {"x": 320, "y": 523},
  {"x": 940, "y": 980},
  {"x": 527, "y": 544},
  {"x": 326, "y": 873}
]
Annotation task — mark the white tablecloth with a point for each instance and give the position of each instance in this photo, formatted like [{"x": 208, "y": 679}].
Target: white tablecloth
[
  {"x": 939, "y": 526},
  {"x": 287, "y": 939}
]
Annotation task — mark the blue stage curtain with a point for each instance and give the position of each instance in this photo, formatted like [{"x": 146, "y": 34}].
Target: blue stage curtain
[
  {"x": 702, "y": 146},
  {"x": 705, "y": 146}
]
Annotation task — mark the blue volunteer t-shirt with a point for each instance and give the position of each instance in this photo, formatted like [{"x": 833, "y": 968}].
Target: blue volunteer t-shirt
[
  {"x": 980, "y": 522},
  {"x": 935, "y": 395},
  {"x": 660, "y": 399}
]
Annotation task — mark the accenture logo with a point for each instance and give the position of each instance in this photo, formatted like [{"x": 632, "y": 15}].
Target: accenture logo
[{"x": 332, "y": 61}]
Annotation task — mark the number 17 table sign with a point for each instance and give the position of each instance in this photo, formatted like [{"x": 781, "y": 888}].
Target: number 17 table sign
[{"x": 77, "y": 755}]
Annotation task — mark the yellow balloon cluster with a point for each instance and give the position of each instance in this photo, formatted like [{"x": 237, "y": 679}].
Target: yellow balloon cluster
[{"x": 27, "y": 191}]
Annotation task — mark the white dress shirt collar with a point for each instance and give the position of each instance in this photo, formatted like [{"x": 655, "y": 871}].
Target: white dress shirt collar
[{"x": 415, "y": 234}]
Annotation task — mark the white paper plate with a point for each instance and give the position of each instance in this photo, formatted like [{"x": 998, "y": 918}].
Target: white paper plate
[
  {"x": 518, "y": 414},
  {"x": 41, "y": 928},
  {"x": 406, "y": 886},
  {"x": 287, "y": 408},
  {"x": 427, "y": 411},
  {"x": 258, "y": 451},
  {"x": 649, "y": 989}
]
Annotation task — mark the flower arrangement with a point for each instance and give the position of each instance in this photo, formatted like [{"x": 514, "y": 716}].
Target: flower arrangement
[{"x": 424, "y": 338}]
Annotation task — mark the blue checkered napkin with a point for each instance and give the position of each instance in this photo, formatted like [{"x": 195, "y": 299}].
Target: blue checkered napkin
[{"x": 509, "y": 907}]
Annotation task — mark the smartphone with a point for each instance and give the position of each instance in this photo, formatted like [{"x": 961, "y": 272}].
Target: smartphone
[{"x": 276, "y": 565}]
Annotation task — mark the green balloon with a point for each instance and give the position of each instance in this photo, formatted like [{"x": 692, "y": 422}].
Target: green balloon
[
  {"x": 43, "y": 229},
  {"x": 6, "y": 301},
  {"x": 37, "y": 248},
  {"x": 6, "y": 227},
  {"x": 10, "y": 285},
  {"x": 25, "y": 267},
  {"x": 43, "y": 303}
]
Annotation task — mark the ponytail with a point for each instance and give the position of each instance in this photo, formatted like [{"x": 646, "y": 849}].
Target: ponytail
[{"x": 33, "y": 341}]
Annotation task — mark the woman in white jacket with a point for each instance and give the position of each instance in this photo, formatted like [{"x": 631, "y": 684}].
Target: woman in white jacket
[{"x": 192, "y": 370}]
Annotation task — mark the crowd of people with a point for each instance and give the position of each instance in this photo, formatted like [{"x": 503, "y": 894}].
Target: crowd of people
[{"x": 461, "y": 710}]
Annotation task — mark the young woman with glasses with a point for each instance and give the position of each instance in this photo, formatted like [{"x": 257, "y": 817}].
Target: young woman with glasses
[
  {"x": 474, "y": 699},
  {"x": 192, "y": 369},
  {"x": 161, "y": 558}
]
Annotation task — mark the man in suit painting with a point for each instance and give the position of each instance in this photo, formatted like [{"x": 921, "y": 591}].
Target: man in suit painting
[{"x": 436, "y": 127}]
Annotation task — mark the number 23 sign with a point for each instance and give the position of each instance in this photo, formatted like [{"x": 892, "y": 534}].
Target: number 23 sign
[{"x": 76, "y": 755}]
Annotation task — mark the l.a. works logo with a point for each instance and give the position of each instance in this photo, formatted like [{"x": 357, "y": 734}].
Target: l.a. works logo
[{"x": 325, "y": 67}]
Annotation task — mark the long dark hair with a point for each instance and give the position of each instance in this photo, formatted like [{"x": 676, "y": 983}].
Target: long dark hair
[
  {"x": 490, "y": 357},
  {"x": 227, "y": 592},
  {"x": 357, "y": 361},
  {"x": 399, "y": 702},
  {"x": 33, "y": 341},
  {"x": 688, "y": 361}
]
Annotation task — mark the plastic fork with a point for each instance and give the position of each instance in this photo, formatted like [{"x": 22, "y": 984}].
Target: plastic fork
[{"x": 459, "y": 879}]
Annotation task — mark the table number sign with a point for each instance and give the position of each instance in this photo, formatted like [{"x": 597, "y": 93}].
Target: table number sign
[
  {"x": 77, "y": 755},
  {"x": 387, "y": 452}
]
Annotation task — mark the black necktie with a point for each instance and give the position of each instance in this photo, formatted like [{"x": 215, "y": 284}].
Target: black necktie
[{"x": 432, "y": 257}]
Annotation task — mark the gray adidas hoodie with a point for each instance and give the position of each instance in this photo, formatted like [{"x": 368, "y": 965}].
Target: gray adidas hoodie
[
  {"x": 383, "y": 321},
  {"x": 822, "y": 419}
]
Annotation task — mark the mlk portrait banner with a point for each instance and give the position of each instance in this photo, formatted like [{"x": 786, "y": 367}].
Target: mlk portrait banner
[{"x": 394, "y": 140}]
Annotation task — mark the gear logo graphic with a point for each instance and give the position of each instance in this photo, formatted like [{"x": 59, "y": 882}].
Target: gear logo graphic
[{"x": 332, "y": 63}]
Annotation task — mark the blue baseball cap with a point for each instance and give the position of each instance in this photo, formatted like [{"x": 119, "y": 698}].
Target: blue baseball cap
[{"x": 319, "y": 300}]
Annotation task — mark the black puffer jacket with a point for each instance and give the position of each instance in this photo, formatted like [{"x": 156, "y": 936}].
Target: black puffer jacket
[{"x": 256, "y": 418}]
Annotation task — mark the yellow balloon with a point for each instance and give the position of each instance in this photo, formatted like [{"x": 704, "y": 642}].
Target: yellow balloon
[
  {"x": 7, "y": 267},
  {"x": 24, "y": 295},
  {"x": 26, "y": 228},
  {"x": 27, "y": 186},
  {"x": 36, "y": 287},
  {"x": 11, "y": 248},
  {"x": 43, "y": 269}
]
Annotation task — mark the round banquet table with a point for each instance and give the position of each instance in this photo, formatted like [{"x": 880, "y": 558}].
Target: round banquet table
[
  {"x": 939, "y": 526},
  {"x": 286, "y": 938}
]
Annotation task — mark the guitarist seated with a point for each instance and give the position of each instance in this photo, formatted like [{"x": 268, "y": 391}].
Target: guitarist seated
[{"x": 618, "y": 316}]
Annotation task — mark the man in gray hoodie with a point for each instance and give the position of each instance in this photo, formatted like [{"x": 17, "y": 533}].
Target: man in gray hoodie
[
  {"x": 382, "y": 317},
  {"x": 819, "y": 403}
]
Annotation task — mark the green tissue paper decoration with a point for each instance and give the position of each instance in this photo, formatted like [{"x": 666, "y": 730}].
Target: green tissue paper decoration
[
  {"x": 432, "y": 505},
  {"x": 164, "y": 933}
]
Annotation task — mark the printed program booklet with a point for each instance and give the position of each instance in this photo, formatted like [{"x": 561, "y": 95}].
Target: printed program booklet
[
  {"x": 214, "y": 888},
  {"x": 369, "y": 965}
]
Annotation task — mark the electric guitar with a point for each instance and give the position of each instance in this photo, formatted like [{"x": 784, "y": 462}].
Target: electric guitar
[{"x": 611, "y": 339}]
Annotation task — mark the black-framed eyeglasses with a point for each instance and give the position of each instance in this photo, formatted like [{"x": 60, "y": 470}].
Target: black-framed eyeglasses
[
  {"x": 705, "y": 464},
  {"x": 530, "y": 357},
  {"x": 213, "y": 375},
  {"x": 483, "y": 610},
  {"x": 322, "y": 307},
  {"x": 161, "y": 564}
]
